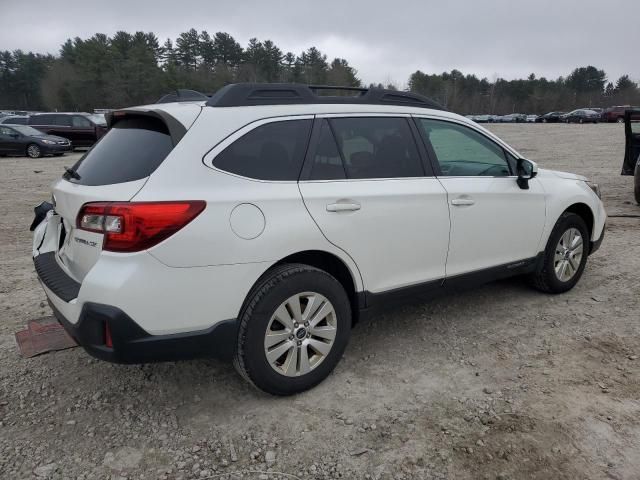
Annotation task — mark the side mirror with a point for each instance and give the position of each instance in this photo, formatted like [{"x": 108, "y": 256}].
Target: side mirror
[{"x": 526, "y": 171}]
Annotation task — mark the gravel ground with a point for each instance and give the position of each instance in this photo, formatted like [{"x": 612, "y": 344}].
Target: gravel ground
[{"x": 501, "y": 382}]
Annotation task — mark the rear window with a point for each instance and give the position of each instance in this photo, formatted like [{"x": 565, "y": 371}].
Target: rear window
[{"x": 132, "y": 149}]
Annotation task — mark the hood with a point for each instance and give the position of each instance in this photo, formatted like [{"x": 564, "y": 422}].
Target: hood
[
  {"x": 53, "y": 138},
  {"x": 564, "y": 175}
]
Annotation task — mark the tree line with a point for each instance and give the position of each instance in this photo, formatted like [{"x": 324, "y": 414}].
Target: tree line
[{"x": 128, "y": 69}]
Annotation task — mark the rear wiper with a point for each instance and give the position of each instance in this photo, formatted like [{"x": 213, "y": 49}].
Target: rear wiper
[{"x": 72, "y": 173}]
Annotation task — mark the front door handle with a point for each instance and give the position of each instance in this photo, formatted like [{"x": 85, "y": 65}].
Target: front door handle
[
  {"x": 458, "y": 202},
  {"x": 343, "y": 207}
]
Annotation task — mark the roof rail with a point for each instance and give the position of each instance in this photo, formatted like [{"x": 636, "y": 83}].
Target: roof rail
[
  {"x": 183, "y": 95},
  {"x": 252, "y": 94}
]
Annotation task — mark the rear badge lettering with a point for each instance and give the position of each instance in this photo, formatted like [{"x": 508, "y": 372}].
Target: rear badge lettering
[{"x": 85, "y": 242}]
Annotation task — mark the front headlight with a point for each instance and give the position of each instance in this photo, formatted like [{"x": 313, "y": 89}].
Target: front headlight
[
  {"x": 48, "y": 142},
  {"x": 595, "y": 187}
]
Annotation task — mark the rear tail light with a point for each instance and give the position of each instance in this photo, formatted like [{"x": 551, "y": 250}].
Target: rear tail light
[
  {"x": 108, "y": 342},
  {"x": 135, "y": 226}
]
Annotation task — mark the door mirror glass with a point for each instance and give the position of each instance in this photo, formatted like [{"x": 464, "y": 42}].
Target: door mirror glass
[{"x": 526, "y": 171}]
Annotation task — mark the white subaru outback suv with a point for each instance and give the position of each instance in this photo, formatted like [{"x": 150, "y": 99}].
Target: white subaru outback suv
[{"x": 259, "y": 224}]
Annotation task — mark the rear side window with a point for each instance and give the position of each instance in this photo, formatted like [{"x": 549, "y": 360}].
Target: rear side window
[
  {"x": 132, "y": 149},
  {"x": 327, "y": 163},
  {"x": 273, "y": 151},
  {"x": 377, "y": 147},
  {"x": 41, "y": 120}
]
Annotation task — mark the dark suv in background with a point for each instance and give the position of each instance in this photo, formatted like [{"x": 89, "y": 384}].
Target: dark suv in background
[
  {"x": 83, "y": 129},
  {"x": 615, "y": 114}
]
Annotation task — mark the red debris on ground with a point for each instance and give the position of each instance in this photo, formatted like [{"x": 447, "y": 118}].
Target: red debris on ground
[{"x": 43, "y": 335}]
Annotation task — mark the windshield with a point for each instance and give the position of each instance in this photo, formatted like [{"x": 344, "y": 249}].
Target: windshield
[
  {"x": 98, "y": 119},
  {"x": 25, "y": 130}
]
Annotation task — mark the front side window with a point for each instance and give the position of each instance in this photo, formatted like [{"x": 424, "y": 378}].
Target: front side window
[
  {"x": 273, "y": 151},
  {"x": 5, "y": 131},
  {"x": 377, "y": 147},
  {"x": 462, "y": 152},
  {"x": 81, "y": 122}
]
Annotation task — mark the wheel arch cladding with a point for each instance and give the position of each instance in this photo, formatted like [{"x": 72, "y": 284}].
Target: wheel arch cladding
[
  {"x": 334, "y": 266},
  {"x": 583, "y": 210}
]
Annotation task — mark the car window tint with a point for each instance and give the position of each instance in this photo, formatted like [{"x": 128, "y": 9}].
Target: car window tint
[
  {"x": 273, "y": 151},
  {"x": 80, "y": 122},
  {"x": 132, "y": 149},
  {"x": 377, "y": 147},
  {"x": 463, "y": 152},
  {"x": 327, "y": 163}
]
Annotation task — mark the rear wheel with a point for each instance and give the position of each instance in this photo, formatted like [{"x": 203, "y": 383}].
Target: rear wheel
[
  {"x": 620, "y": 120},
  {"x": 294, "y": 328},
  {"x": 581, "y": 121},
  {"x": 565, "y": 255},
  {"x": 33, "y": 151}
]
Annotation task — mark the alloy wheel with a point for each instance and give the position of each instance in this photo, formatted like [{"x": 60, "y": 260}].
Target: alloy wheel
[
  {"x": 33, "y": 151},
  {"x": 568, "y": 254},
  {"x": 300, "y": 334}
]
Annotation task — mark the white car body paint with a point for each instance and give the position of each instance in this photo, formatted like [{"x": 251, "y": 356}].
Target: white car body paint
[{"x": 406, "y": 231}]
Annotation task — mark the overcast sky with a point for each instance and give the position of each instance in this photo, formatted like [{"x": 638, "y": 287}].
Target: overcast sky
[{"x": 384, "y": 40}]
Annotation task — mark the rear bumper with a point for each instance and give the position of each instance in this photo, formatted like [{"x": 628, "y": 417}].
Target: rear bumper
[{"x": 131, "y": 344}]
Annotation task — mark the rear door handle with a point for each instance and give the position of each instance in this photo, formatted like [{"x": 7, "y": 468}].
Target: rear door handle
[
  {"x": 458, "y": 202},
  {"x": 343, "y": 207}
]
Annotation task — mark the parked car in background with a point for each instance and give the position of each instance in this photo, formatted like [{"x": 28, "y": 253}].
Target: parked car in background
[
  {"x": 513, "y": 118},
  {"x": 615, "y": 114},
  {"x": 25, "y": 140},
  {"x": 82, "y": 129},
  {"x": 170, "y": 239},
  {"x": 631, "y": 164},
  {"x": 482, "y": 118},
  {"x": 551, "y": 117},
  {"x": 15, "y": 120},
  {"x": 531, "y": 118},
  {"x": 581, "y": 115}
]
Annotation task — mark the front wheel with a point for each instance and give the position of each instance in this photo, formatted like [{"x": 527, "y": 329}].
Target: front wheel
[
  {"x": 294, "y": 328},
  {"x": 565, "y": 255},
  {"x": 33, "y": 151}
]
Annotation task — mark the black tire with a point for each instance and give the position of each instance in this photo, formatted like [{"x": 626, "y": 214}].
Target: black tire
[
  {"x": 33, "y": 151},
  {"x": 636, "y": 183},
  {"x": 545, "y": 278},
  {"x": 620, "y": 120},
  {"x": 273, "y": 288},
  {"x": 581, "y": 121}
]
